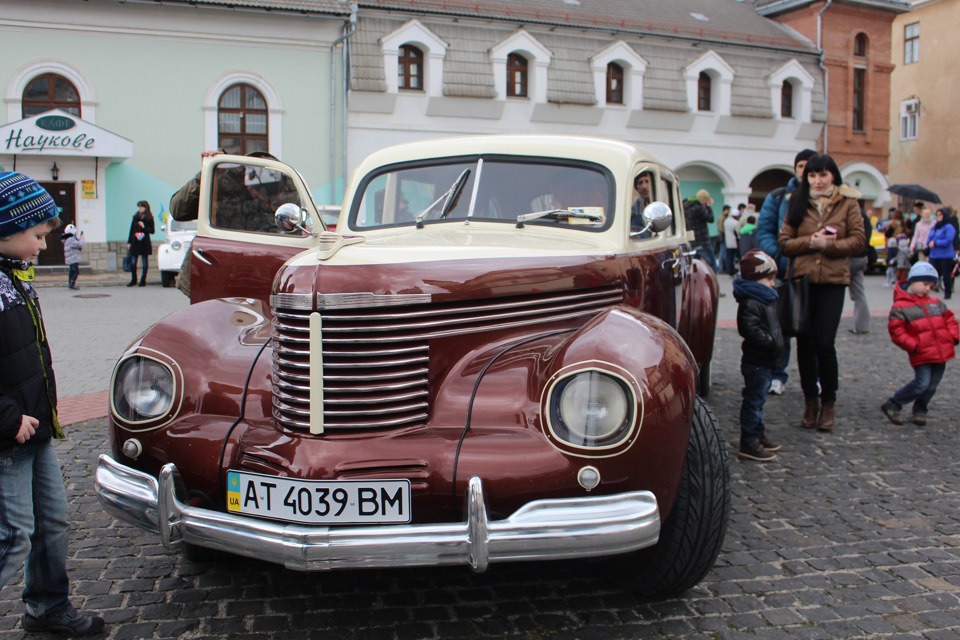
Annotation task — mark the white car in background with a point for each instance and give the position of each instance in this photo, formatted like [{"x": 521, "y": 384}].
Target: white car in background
[{"x": 170, "y": 256}]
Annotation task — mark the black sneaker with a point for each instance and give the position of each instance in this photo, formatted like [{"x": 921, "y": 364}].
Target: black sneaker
[
  {"x": 755, "y": 451},
  {"x": 920, "y": 419},
  {"x": 893, "y": 415},
  {"x": 769, "y": 444},
  {"x": 66, "y": 622}
]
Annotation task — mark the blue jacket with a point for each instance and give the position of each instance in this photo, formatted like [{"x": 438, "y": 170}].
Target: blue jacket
[
  {"x": 942, "y": 240},
  {"x": 772, "y": 213}
]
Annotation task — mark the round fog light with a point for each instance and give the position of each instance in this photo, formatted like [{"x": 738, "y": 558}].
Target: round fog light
[
  {"x": 589, "y": 478},
  {"x": 132, "y": 448}
]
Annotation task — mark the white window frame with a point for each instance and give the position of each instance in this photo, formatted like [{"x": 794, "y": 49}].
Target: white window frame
[
  {"x": 721, "y": 76},
  {"x": 434, "y": 51},
  {"x": 911, "y": 44},
  {"x": 634, "y": 67},
  {"x": 910, "y": 119},
  {"x": 19, "y": 81},
  {"x": 538, "y": 60},
  {"x": 211, "y": 107},
  {"x": 794, "y": 73}
]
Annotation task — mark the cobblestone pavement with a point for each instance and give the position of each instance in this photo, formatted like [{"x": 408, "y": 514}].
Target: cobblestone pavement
[{"x": 854, "y": 534}]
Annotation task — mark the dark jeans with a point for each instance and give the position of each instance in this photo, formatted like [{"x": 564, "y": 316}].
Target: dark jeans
[
  {"x": 729, "y": 260},
  {"x": 72, "y": 274},
  {"x": 706, "y": 254},
  {"x": 756, "y": 386},
  {"x": 816, "y": 351},
  {"x": 921, "y": 390},
  {"x": 143, "y": 260},
  {"x": 944, "y": 267}
]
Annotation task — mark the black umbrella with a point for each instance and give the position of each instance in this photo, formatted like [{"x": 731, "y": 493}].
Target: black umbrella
[{"x": 914, "y": 192}]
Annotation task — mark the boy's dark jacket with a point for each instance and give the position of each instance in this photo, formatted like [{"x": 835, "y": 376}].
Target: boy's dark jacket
[
  {"x": 27, "y": 385},
  {"x": 758, "y": 324},
  {"x": 923, "y": 327}
]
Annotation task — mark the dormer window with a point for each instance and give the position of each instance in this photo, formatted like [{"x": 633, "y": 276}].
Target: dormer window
[
  {"x": 704, "y": 90},
  {"x": 786, "y": 100},
  {"x": 614, "y": 83},
  {"x": 410, "y": 69},
  {"x": 516, "y": 76}
]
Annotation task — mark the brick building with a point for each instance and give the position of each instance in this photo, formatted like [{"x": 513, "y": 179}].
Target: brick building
[{"x": 855, "y": 38}]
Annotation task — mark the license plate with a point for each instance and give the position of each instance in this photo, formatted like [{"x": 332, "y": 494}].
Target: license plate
[{"x": 319, "y": 501}]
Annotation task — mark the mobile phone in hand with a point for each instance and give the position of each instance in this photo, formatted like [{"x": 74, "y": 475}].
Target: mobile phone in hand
[{"x": 830, "y": 231}]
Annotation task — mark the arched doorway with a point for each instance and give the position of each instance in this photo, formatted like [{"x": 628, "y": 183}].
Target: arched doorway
[{"x": 765, "y": 182}]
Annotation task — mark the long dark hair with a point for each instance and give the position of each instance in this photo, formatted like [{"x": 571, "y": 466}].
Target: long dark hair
[
  {"x": 146, "y": 205},
  {"x": 800, "y": 199}
]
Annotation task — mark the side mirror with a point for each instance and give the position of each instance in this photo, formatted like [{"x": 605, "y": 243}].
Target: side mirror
[
  {"x": 290, "y": 218},
  {"x": 657, "y": 217}
]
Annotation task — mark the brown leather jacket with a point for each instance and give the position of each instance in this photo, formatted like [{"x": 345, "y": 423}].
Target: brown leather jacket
[{"x": 832, "y": 265}]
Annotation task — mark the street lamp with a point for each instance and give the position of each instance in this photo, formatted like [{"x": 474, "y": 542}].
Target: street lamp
[{"x": 55, "y": 172}]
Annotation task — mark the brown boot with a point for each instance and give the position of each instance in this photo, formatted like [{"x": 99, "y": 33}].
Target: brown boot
[
  {"x": 811, "y": 411},
  {"x": 825, "y": 422}
]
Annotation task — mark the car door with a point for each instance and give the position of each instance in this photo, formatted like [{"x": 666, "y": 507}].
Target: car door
[{"x": 239, "y": 248}]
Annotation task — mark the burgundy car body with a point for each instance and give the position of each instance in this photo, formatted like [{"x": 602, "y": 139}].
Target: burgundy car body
[{"x": 279, "y": 367}]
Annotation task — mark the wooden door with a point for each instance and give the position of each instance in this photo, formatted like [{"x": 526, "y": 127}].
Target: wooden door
[{"x": 64, "y": 194}]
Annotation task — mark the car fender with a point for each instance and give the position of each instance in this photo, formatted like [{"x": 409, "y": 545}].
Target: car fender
[{"x": 699, "y": 306}]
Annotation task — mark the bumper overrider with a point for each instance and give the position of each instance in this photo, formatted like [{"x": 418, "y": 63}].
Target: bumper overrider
[{"x": 552, "y": 529}]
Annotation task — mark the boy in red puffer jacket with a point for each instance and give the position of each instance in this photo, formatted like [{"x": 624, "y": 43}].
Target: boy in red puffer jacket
[{"x": 922, "y": 326}]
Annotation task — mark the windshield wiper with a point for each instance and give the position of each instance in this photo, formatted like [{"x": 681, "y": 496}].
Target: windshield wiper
[
  {"x": 573, "y": 212},
  {"x": 449, "y": 198}
]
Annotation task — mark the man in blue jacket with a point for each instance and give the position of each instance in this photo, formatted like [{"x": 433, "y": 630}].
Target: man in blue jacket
[{"x": 771, "y": 217}]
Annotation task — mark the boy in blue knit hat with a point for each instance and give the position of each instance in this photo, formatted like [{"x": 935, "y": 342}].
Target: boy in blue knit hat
[{"x": 33, "y": 500}]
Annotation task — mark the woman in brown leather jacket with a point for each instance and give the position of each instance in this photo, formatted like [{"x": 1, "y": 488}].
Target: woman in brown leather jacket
[{"x": 823, "y": 228}]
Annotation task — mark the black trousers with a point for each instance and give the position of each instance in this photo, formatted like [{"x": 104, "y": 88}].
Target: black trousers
[{"x": 816, "y": 351}]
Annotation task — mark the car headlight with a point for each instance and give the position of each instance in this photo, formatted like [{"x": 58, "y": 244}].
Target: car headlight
[
  {"x": 592, "y": 409},
  {"x": 143, "y": 389},
  {"x": 175, "y": 245}
]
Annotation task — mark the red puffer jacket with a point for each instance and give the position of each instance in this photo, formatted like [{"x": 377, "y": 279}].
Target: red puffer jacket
[{"x": 923, "y": 327}]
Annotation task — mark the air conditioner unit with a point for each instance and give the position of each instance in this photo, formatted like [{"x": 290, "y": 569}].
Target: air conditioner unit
[{"x": 911, "y": 107}]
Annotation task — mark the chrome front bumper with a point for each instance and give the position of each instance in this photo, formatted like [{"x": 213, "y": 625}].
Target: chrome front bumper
[{"x": 540, "y": 530}]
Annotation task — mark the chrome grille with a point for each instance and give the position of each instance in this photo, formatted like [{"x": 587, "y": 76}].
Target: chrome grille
[{"x": 376, "y": 359}]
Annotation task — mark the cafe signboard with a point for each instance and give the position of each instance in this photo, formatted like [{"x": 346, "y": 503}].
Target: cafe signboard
[{"x": 58, "y": 133}]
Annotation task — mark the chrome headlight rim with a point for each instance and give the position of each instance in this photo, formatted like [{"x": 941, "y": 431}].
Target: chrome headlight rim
[
  {"x": 122, "y": 416},
  {"x": 620, "y": 437}
]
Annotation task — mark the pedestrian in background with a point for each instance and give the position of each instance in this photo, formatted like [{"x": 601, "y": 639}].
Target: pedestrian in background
[
  {"x": 138, "y": 241},
  {"x": 731, "y": 242},
  {"x": 72, "y": 253},
  {"x": 698, "y": 213},
  {"x": 858, "y": 294},
  {"x": 926, "y": 329},
  {"x": 772, "y": 213},
  {"x": 921, "y": 231},
  {"x": 759, "y": 325},
  {"x": 33, "y": 501},
  {"x": 822, "y": 230},
  {"x": 942, "y": 252}
]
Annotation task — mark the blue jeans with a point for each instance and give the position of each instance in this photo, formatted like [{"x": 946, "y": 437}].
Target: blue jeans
[
  {"x": 756, "y": 386},
  {"x": 144, "y": 261},
  {"x": 707, "y": 255},
  {"x": 33, "y": 525},
  {"x": 920, "y": 391},
  {"x": 72, "y": 273}
]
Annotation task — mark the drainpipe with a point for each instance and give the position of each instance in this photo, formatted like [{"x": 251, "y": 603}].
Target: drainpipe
[
  {"x": 348, "y": 30},
  {"x": 826, "y": 75}
]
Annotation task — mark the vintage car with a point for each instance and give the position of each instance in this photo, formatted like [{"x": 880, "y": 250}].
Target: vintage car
[
  {"x": 497, "y": 357},
  {"x": 170, "y": 254}
]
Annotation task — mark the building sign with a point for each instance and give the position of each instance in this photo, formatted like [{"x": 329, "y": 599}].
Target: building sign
[
  {"x": 59, "y": 133},
  {"x": 88, "y": 189}
]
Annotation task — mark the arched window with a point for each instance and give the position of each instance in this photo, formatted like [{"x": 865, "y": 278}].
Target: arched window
[
  {"x": 242, "y": 120},
  {"x": 516, "y": 76},
  {"x": 860, "y": 45},
  {"x": 50, "y": 91},
  {"x": 704, "y": 89},
  {"x": 786, "y": 100},
  {"x": 614, "y": 83},
  {"x": 410, "y": 69}
]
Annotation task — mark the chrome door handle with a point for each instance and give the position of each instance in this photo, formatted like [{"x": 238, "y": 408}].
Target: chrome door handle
[{"x": 199, "y": 255}]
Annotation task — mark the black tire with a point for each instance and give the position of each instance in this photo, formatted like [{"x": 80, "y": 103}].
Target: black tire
[
  {"x": 167, "y": 278},
  {"x": 693, "y": 533},
  {"x": 705, "y": 380}
]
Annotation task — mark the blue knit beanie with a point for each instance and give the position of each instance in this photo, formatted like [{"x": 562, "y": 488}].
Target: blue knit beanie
[
  {"x": 23, "y": 203},
  {"x": 923, "y": 272}
]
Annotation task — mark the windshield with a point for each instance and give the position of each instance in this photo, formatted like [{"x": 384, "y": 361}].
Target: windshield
[{"x": 495, "y": 189}]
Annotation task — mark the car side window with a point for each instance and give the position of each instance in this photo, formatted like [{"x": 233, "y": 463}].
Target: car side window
[
  {"x": 645, "y": 190},
  {"x": 246, "y": 198}
]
